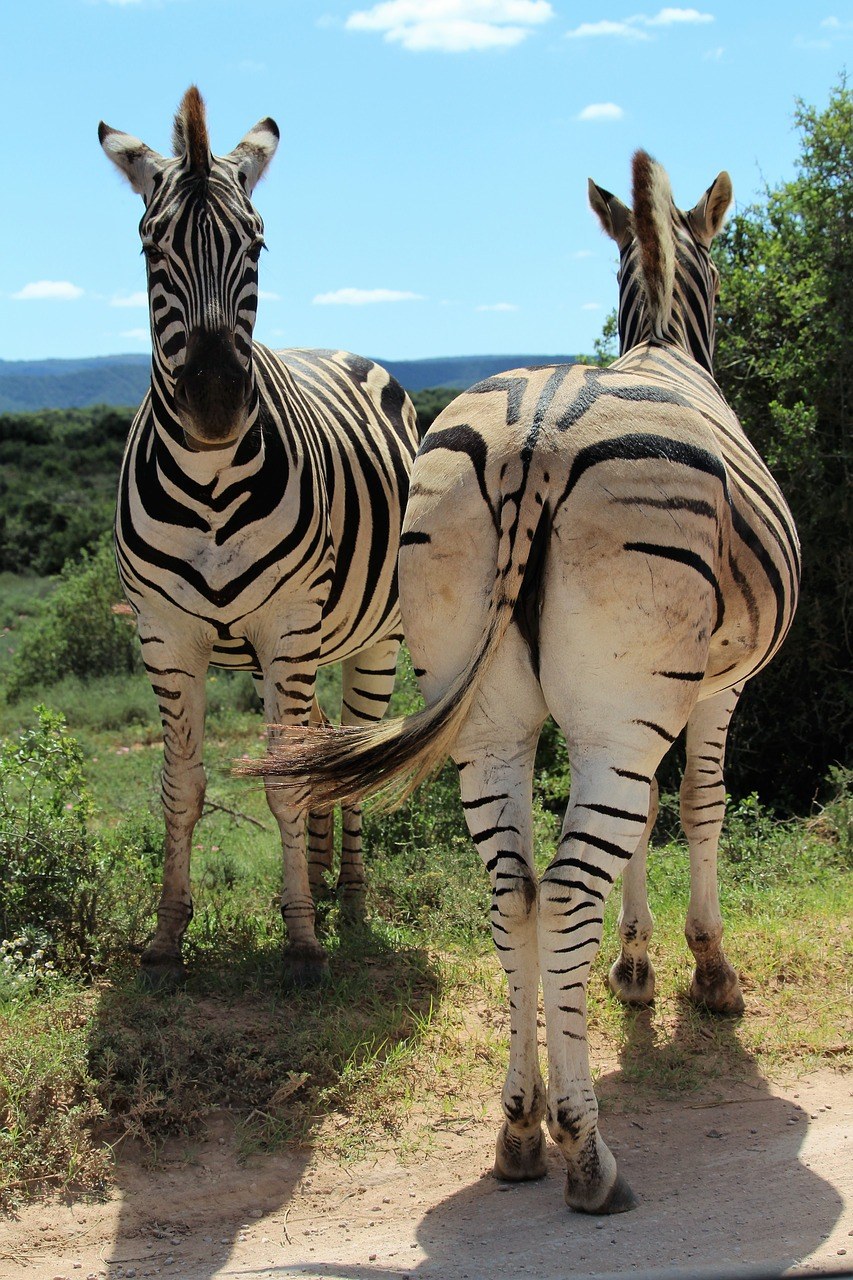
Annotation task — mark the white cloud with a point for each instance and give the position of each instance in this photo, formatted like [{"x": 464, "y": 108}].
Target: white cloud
[
  {"x": 54, "y": 290},
  {"x": 625, "y": 29},
  {"x": 632, "y": 28},
  {"x": 835, "y": 27},
  {"x": 498, "y": 306},
  {"x": 139, "y": 299},
  {"x": 591, "y": 306},
  {"x": 601, "y": 111},
  {"x": 452, "y": 26},
  {"x": 714, "y": 55},
  {"x": 669, "y": 17},
  {"x": 138, "y": 335},
  {"x": 363, "y": 297},
  {"x": 582, "y": 253}
]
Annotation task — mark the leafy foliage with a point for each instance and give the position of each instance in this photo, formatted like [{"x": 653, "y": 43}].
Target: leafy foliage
[
  {"x": 75, "y": 632},
  {"x": 59, "y": 472},
  {"x": 785, "y": 362},
  {"x": 430, "y": 403},
  {"x": 68, "y": 898},
  {"x": 48, "y": 861}
]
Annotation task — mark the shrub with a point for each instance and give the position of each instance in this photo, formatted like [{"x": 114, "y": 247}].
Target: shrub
[
  {"x": 69, "y": 900},
  {"x": 76, "y": 631},
  {"x": 48, "y": 860}
]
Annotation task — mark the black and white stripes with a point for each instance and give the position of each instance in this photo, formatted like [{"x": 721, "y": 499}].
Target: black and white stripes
[
  {"x": 604, "y": 545},
  {"x": 259, "y": 510}
]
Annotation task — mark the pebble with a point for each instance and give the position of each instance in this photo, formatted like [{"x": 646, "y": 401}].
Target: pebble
[
  {"x": 372, "y": 1257},
  {"x": 256, "y": 1213}
]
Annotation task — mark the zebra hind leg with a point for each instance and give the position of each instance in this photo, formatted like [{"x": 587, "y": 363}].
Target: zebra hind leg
[
  {"x": 367, "y": 684},
  {"x": 715, "y": 984},
  {"x": 321, "y": 851},
  {"x": 632, "y": 977}
]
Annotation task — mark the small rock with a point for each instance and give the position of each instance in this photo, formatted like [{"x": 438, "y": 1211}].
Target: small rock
[
  {"x": 256, "y": 1213},
  {"x": 371, "y": 1257}
]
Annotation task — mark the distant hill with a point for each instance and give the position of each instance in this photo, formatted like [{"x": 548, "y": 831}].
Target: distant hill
[{"x": 29, "y": 385}]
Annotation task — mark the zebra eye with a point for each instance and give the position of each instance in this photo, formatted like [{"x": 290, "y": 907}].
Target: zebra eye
[
  {"x": 254, "y": 249},
  {"x": 152, "y": 252}
]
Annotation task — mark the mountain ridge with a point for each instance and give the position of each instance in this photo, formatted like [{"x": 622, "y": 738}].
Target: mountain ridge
[{"x": 27, "y": 386}]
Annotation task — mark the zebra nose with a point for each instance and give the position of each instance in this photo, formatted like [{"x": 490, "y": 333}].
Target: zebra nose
[{"x": 213, "y": 388}]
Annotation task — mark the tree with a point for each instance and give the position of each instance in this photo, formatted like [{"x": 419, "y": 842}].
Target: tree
[{"x": 785, "y": 363}]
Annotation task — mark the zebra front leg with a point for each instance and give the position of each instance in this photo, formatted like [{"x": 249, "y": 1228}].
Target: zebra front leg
[
  {"x": 632, "y": 977},
  {"x": 715, "y": 985},
  {"x": 289, "y": 676},
  {"x": 367, "y": 685},
  {"x": 180, "y": 689}
]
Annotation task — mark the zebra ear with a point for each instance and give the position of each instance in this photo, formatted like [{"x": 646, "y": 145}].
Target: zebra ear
[
  {"x": 614, "y": 216},
  {"x": 706, "y": 217},
  {"x": 139, "y": 164},
  {"x": 254, "y": 152}
]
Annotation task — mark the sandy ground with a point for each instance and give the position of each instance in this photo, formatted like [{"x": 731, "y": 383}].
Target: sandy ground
[{"x": 755, "y": 1173}]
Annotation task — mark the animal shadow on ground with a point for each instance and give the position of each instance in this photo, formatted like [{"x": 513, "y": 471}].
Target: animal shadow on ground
[
  {"x": 235, "y": 1052},
  {"x": 716, "y": 1162}
]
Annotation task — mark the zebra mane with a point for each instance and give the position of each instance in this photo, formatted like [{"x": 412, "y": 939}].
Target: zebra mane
[
  {"x": 652, "y": 217},
  {"x": 189, "y": 133}
]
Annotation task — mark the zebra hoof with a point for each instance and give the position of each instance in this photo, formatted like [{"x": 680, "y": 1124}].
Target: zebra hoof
[
  {"x": 305, "y": 966},
  {"x": 619, "y": 1199},
  {"x": 718, "y": 990},
  {"x": 631, "y": 981},
  {"x": 159, "y": 973},
  {"x": 520, "y": 1159}
]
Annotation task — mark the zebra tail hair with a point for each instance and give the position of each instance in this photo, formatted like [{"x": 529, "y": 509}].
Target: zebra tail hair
[
  {"x": 652, "y": 200},
  {"x": 320, "y": 766}
]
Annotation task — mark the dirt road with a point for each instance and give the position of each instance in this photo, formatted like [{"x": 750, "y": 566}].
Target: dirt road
[{"x": 751, "y": 1174}]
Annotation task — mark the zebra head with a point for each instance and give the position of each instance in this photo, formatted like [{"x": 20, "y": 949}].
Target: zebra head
[
  {"x": 202, "y": 239},
  {"x": 667, "y": 281}
]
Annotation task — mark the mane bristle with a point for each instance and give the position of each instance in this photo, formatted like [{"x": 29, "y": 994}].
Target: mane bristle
[
  {"x": 189, "y": 133},
  {"x": 652, "y": 216}
]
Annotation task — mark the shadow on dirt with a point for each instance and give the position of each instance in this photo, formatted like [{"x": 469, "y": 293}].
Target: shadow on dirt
[
  {"x": 234, "y": 1060},
  {"x": 724, "y": 1184},
  {"x": 718, "y": 1171}
]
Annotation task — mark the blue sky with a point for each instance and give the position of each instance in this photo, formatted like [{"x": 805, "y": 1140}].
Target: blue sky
[{"x": 429, "y": 193}]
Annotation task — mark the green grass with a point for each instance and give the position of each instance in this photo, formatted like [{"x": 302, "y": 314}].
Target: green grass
[{"x": 411, "y": 1031}]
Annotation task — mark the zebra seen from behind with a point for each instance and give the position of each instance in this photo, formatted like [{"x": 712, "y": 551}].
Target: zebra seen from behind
[
  {"x": 259, "y": 510},
  {"x": 604, "y": 545}
]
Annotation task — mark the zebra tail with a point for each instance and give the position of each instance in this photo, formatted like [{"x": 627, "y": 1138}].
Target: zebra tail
[
  {"x": 321, "y": 766},
  {"x": 652, "y": 199}
]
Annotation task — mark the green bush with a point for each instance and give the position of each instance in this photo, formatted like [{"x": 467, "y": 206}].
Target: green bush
[
  {"x": 76, "y": 632},
  {"x": 69, "y": 899},
  {"x": 48, "y": 860}
]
